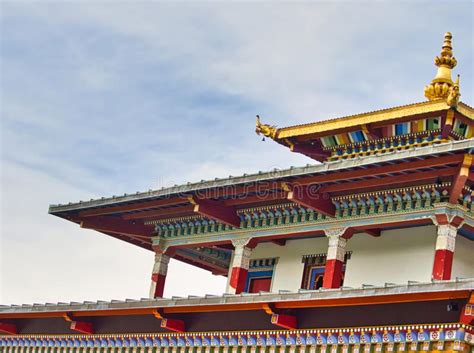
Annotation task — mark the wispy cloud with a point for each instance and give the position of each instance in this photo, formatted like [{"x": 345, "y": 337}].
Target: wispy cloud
[{"x": 101, "y": 99}]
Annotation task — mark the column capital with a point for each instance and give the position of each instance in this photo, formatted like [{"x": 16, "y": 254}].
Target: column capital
[
  {"x": 343, "y": 232},
  {"x": 240, "y": 243},
  {"x": 446, "y": 239},
  {"x": 443, "y": 219}
]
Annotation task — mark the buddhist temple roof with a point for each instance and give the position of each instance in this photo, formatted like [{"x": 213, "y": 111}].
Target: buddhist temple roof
[
  {"x": 334, "y": 166},
  {"x": 377, "y": 116},
  {"x": 390, "y": 293}
]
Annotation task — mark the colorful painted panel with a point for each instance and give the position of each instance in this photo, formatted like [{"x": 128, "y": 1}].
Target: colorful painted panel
[
  {"x": 462, "y": 129},
  {"x": 428, "y": 338}
]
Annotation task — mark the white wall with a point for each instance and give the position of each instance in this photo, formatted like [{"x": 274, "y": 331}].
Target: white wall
[
  {"x": 289, "y": 269},
  {"x": 463, "y": 265},
  {"x": 396, "y": 256}
]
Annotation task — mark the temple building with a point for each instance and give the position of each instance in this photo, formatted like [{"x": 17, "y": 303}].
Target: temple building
[{"x": 371, "y": 249}]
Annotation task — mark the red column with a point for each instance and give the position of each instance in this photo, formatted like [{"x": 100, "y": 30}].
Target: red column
[
  {"x": 239, "y": 267},
  {"x": 158, "y": 276},
  {"x": 335, "y": 256},
  {"x": 444, "y": 254}
]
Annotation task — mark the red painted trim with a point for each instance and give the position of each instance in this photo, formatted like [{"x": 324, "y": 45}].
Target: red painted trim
[
  {"x": 332, "y": 274},
  {"x": 217, "y": 211},
  {"x": 388, "y": 169},
  {"x": 160, "y": 280},
  {"x": 7, "y": 328},
  {"x": 286, "y": 321},
  {"x": 443, "y": 264},
  {"x": 173, "y": 325},
  {"x": 238, "y": 279},
  {"x": 320, "y": 202},
  {"x": 82, "y": 327},
  {"x": 133, "y": 207},
  {"x": 314, "y": 151},
  {"x": 460, "y": 179},
  {"x": 390, "y": 180},
  {"x": 373, "y": 232},
  {"x": 161, "y": 213},
  {"x": 117, "y": 225}
]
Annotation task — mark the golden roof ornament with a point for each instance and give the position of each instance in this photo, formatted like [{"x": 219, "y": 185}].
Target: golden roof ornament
[
  {"x": 442, "y": 86},
  {"x": 265, "y": 129}
]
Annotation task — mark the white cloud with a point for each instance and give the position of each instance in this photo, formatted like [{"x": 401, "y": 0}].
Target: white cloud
[{"x": 101, "y": 99}]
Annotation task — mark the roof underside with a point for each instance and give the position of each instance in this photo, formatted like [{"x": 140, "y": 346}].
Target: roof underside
[{"x": 132, "y": 217}]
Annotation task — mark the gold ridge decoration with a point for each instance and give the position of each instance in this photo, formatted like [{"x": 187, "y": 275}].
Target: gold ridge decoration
[
  {"x": 442, "y": 86},
  {"x": 265, "y": 129}
]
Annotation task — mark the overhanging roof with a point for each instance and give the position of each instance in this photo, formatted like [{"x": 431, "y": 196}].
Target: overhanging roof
[
  {"x": 293, "y": 172},
  {"x": 367, "y": 295},
  {"x": 379, "y": 116}
]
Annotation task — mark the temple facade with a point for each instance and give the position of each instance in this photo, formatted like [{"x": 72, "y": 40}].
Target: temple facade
[{"x": 369, "y": 250}]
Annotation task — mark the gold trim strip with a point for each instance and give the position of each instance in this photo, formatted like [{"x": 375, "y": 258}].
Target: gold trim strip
[{"x": 372, "y": 117}]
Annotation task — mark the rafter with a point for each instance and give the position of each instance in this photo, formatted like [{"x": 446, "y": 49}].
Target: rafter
[
  {"x": 313, "y": 150},
  {"x": 371, "y": 132},
  {"x": 162, "y": 213},
  {"x": 216, "y": 211},
  {"x": 117, "y": 225},
  {"x": 461, "y": 178},
  {"x": 384, "y": 170},
  {"x": 305, "y": 196},
  {"x": 8, "y": 328},
  {"x": 133, "y": 207},
  {"x": 390, "y": 180}
]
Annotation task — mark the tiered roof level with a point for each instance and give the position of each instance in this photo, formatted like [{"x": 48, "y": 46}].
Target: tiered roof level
[{"x": 390, "y": 200}]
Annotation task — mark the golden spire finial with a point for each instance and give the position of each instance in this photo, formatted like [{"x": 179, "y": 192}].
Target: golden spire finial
[{"x": 442, "y": 85}]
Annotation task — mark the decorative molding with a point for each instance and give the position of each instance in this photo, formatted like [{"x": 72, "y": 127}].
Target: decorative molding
[{"x": 446, "y": 336}]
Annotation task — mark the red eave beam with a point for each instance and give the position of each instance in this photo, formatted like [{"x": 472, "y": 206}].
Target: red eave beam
[
  {"x": 311, "y": 197},
  {"x": 448, "y": 124},
  {"x": 161, "y": 213},
  {"x": 390, "y": 180},
  {"x": 387, "y": 169},
  {"x": 7, "y": 328},
  {"x": 216, "y": 211},
  {"x": 170, "y": 324},
  {"x": 314, "y": 150},
  {"x": 370, "y": 132},
  {"x": 461, "y": 178},
  {"x": 282, "y": 320},
  {"x": 133, "y": 207},
  {"x": 374, "y": 232},
  {"x": 79, "y": 326},
  {"x": 467, "y": 312},
  {"x": 117, "y": 225}
]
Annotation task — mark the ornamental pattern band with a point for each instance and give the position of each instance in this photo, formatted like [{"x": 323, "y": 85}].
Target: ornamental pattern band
[
  {"x": 365, "y": 339},
  {"x": 351, "y": 206}
]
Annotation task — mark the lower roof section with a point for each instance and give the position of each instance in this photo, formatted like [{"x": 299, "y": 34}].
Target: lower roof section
[{"x": 414, "y": 303}]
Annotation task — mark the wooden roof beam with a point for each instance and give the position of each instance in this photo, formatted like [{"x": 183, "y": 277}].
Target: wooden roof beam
[
  {"x": 117, "y": 225},
  {"x": 383, "y": 170},
  {"x": 169, "y": 324},
  {"x": 8, "y": 328},
  {"x": 79, "y": 326},
  {"x": 371, "y": 132},
  {"x": 461, "y": 178},
  {"x": 133, "y": 207},
  {"x": 215, "y": 210},
  {"x": 314, "y": 150},
  {"x": 162, "y": 213},
  {"x": 390, "y": 180},
  {"x": 311, "y": 197}
]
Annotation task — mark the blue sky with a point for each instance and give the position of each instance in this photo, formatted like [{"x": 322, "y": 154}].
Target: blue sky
[{"x": 103, "y": 98}]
